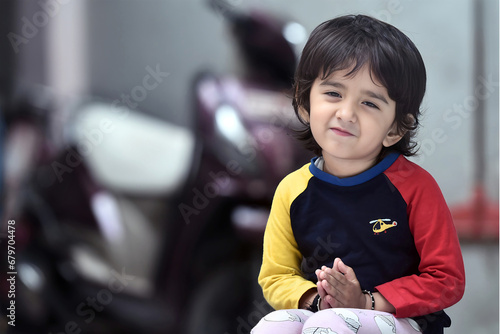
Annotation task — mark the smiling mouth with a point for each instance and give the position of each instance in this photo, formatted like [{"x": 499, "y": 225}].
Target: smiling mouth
[{"x": 341, "y": 132}]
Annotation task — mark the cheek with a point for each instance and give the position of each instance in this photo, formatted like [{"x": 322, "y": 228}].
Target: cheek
[
  {"x": 313, "y": 124},
  {"x": 376, "y": 129},
  {"x": 317, "y": 125},
  {"x": 380, "y": 130},
  {"x": 317, "y": 119}
]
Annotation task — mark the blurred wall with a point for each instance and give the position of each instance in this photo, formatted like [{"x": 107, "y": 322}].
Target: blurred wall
[
  {"x": 176, "y": 38},
  {"x": 105, "y": 48},
  {"x": 117, "y": 41}
]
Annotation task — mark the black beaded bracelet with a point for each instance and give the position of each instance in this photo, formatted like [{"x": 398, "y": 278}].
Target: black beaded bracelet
[
  {"x": 371, "y": 296},
  {"x": 314, "y": 307}
]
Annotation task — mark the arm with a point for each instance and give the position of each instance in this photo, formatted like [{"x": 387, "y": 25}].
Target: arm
[
  {"x": 441, "y": 281},
  {"x": 280, "y": 276}
]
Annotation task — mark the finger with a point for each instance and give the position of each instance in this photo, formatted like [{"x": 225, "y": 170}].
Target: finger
[
  {"x": 336, "y": 264},
  {"x": 322, "y": 274},
  {"x": 341, "y": 296},
  {"x": 332, "y": 302},
  {"x": 318, "y": 274},
  {"x": 334, "y": 277},
  {"x": 347, "y": 271},
  {"x": 334, "y": 299},
  {"x": 321, "y": 291},
  {"x": 324, "y": 297},
  {"x": 328, "y": 302},
  {"x": 333, "y": 290},
  {"x": 347, "y": 280},
  {"x": 338, "y": 287}
]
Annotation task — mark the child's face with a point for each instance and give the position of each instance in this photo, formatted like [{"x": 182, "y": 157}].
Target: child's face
[{"x": 352, "y": 117}]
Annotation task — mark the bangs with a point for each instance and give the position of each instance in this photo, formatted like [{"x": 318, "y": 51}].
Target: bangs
[{"x": 351, "y": 50}]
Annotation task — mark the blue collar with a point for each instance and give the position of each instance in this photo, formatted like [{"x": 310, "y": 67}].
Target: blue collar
[{"x": 356, "y": 179}]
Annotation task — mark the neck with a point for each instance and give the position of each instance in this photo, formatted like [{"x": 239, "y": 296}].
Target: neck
[{"x": 343, "y": 168}]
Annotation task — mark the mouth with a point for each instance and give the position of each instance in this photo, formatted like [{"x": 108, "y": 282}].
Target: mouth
[{"x": 341, "y": 132}]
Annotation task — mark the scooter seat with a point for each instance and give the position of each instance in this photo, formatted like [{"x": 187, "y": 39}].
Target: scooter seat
[{"x": 132, "y": 152}]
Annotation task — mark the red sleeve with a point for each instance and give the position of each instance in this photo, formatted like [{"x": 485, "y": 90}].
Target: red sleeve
[{"x": 441, "y": 282}]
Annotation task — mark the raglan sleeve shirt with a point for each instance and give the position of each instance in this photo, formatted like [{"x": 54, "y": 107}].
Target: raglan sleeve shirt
[{"x": 441, "y": 279}]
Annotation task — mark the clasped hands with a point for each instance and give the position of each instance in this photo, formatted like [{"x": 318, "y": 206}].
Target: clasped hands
[{"x": 339, "y": 287}]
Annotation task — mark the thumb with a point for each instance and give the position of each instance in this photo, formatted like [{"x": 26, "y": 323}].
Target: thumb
[
  {"x": 336, "y": 264},
  {"x": 347, "y": 271}
]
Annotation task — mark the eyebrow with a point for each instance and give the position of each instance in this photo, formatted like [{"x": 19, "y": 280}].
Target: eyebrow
[{"x": 365, "y": 92}]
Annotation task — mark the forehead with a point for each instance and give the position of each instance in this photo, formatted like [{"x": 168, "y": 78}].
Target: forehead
[{"x": 363, "y": 75}]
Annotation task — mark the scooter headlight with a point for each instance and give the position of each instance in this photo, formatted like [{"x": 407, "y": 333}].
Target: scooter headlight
[
  {"x": 229, "y": 125},
  {"x": 231, "y": 129}
]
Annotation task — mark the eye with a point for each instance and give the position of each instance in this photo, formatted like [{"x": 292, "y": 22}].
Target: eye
[
  {"x": 370, "y": 104},
  {"x": 333, "y": 94}
]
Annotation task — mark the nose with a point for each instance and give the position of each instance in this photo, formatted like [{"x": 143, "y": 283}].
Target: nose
[{"x": 347, "y": 112}]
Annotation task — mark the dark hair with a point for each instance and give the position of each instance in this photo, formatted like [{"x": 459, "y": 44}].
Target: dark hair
[{"x": 353, "y": 41}]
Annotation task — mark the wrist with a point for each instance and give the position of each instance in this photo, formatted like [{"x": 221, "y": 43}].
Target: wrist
[
  {"x": 369, "y": 299},
  {"x": 307, "y": 298},
  {"x": 383, "y": 304},
  {"x": 315, "y": 304}
]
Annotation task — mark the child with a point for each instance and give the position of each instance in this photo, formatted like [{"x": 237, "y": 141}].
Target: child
[{"x": 360, "y": 239}]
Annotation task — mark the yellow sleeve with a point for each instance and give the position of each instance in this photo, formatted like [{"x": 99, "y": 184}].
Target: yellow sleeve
[{"x": 280, "y": 275}]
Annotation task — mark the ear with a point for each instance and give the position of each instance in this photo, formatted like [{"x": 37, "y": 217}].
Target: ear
[{"x": 393, "y": 136}]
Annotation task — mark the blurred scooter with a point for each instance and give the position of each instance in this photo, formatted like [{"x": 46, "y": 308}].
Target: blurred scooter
[
  {"x": 93, "y": 218},
  {"x": 139, "y": 225},
  {"x": 245, "y": 124}
]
